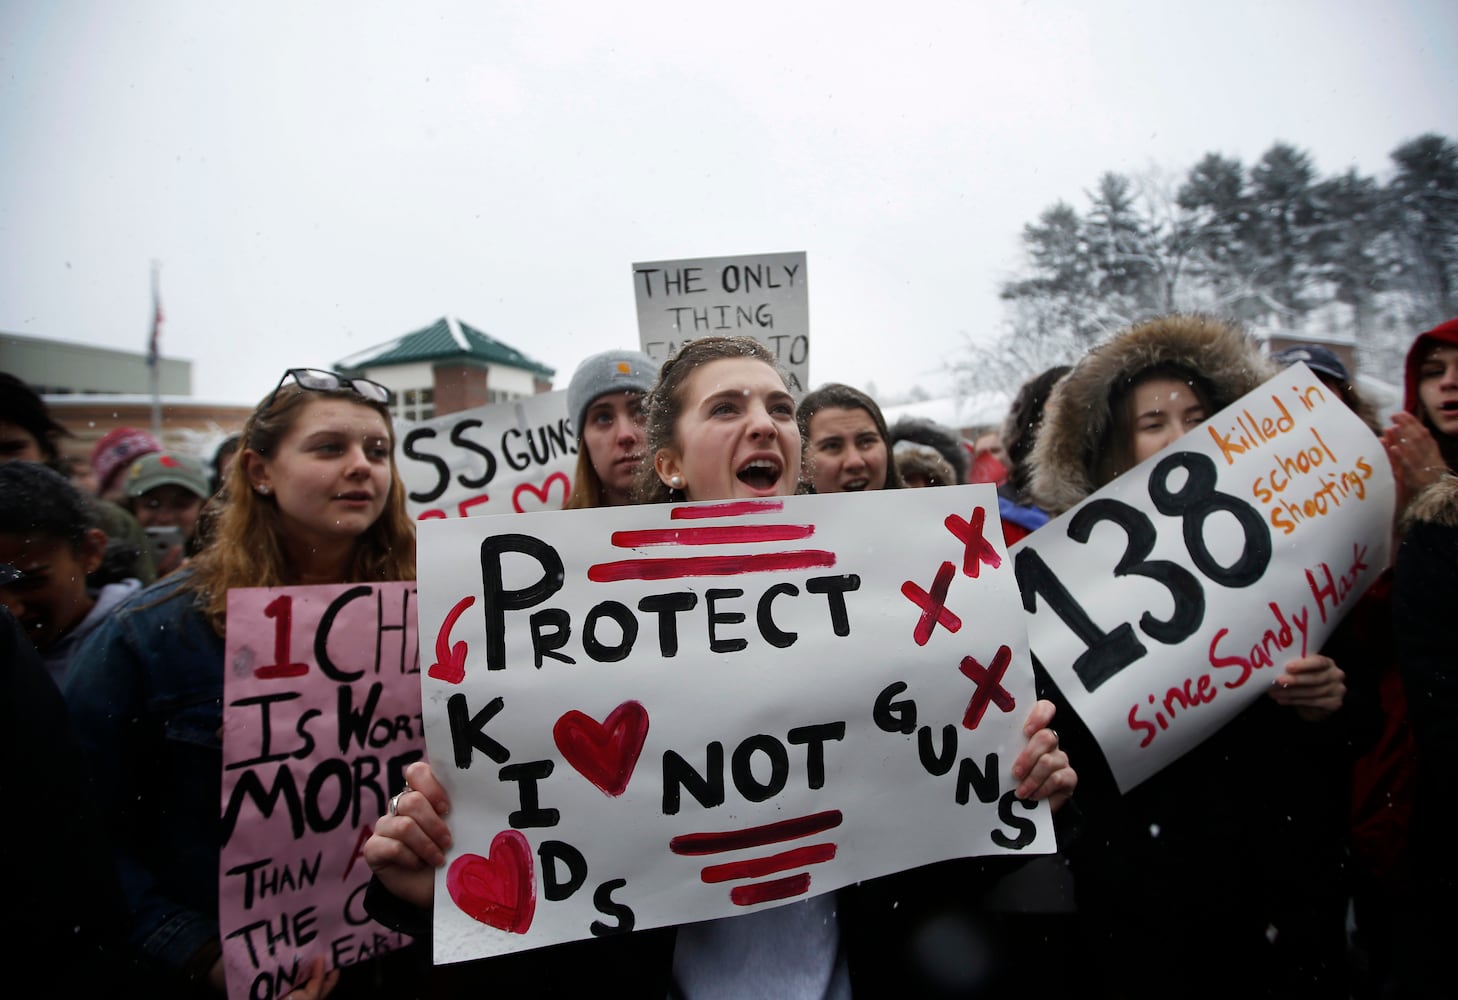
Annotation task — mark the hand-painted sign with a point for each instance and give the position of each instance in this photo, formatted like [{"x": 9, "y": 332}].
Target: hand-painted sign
[
  {"x": 517, "y": 456},
  {"x": 1169, "y": 600},
  {"x": 762, "y": 296},
  {"x": 658, "y": 714},
  {"x": 321, "y": 715}
]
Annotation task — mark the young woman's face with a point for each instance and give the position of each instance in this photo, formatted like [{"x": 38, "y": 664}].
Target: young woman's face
[
  {"x": 612, "y": 432},
  {"x": 1164, "y": 409},
  {"x": 168, "y": 506},
  {"x": 1438, "y": 388},
  {"x": 845, "y": 452},
  {"x": 51, "y": 598},
  {"x": 331, "y": 473},
  {"x": 736, "y": 435}
]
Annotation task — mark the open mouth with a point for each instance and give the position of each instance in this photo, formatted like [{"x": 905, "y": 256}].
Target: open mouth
[
  {"x": 354, "y": 496},
  {"x": 760, "y": 474},
  {"x": 855, "y": 485}
]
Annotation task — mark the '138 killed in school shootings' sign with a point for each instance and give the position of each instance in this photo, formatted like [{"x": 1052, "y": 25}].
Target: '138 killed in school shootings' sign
[
  {"x": 321, "y": 716},
  {"x": 1169, "y": 600},
  {"x": 509, "y": 457},
  {"x": 763, "y": 296},
  {"x": 658, "y": 714}
]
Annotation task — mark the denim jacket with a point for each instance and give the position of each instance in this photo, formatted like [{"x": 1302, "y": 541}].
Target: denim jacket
[{"x": 145, "y": 691}]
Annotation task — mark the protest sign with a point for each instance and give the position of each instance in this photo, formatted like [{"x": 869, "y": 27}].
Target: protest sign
[
  {"x": 1169, "y": 600},
  {"x": 321, "y": 715},
  {"x": 510, "y": 457},
  {"x": 760, "y": 295},
  {"x": 657, "y": 714}
]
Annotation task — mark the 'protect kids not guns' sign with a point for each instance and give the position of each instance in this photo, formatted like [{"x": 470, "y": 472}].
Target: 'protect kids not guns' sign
[
  {"x": 658, "y": 714},
  {"x": 510, "y": 457},
  {"x": 1169, "y": 600},
  {"x": 321, "y": 716},
  {"x": 760, "y": 295}
]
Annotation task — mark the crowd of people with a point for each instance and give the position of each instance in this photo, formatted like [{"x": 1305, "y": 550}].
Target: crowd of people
[{"x": 1293, "y": 853}]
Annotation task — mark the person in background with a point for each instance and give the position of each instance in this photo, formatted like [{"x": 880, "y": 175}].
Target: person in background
[
  {"x": 721, "y": 424},
  {"x": 847, "y": 446},
  {"x": 48, "y": 534},
  {"x": 944, "y": 439},
  {"x": 989, "y": 458},
  {"x": 29, "y": 433},
  {"x": 218, "y": 468},
  {"x": 921, "y": 465},
  {"x": 605, "y": 400},
  {"x": 1327, "y": 367},
  {"x": 166, "y": 491},
  {"x": 113, "y": 454},
  {"x": 1424, "y": 597},
  {"x": 1239, "y": 844},
  {"x": 1384, "y": 776},
  {"x": 314, "y": 498},
  {"x": 1020, "y": 515}
]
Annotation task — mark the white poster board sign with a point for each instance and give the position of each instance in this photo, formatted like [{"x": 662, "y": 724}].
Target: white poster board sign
[
  {"x": 758, "y": 295},
  {"x": 658, "y": 714},
  {"x": 510, "y": 457},
  {"x": 1169, "y": 600}
]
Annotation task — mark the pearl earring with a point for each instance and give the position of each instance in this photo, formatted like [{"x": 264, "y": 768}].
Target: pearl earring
[
  {"x": 676, "y": 482},
  {"x": 264, "y": 489}
]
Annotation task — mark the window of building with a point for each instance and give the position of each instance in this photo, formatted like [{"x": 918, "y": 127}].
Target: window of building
[{"x": 413, "y": 404}]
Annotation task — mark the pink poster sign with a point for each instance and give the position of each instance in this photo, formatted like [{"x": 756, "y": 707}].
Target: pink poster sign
[{"x": 321, "y": 716}]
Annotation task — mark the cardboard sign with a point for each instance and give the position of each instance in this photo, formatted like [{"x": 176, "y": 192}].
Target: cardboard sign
[
  {"x": 321, "y": 715},
  {"x": 761, "y": 295},
  {"x": 1169, "y": 600},
  {"x": 668, "y": 713},
  {"x": 511, "y": 457}
]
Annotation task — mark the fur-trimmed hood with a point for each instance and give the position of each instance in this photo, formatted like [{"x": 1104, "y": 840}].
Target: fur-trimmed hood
[
  {"x": 1078, "y": 414},
  {"x": 1437, "y": 504},
  {"x": 934, "y": 435}
]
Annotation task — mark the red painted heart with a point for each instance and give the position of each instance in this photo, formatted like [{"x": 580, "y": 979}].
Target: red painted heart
[
  {"x": 544, "y": 494},
  {"x": 604, "y": 753},
  {"x": 498, "y": 890}
]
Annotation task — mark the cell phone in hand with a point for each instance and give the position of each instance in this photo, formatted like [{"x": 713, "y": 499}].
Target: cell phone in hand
[{"x": 164, "y": 541}]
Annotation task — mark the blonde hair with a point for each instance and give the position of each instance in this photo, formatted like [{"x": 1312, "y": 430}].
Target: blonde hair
[{"x": 245, "y": 548}]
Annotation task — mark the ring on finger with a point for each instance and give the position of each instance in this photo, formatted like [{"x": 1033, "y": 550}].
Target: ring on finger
[{"x": 395, "y": 801}]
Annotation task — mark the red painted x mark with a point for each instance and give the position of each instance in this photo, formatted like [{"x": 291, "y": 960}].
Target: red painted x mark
[
  {"x": 933, "y": 606},
  {"x": 979, "y": 549},
  {"x": 989, "y": 686}
]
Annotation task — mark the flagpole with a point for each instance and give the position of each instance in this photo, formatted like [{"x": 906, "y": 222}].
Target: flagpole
[{"x": 153, "y": 361}]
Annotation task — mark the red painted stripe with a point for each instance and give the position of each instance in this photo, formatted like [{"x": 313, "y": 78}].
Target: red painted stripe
[
  {"x": 732, "y": 509},
  {"x": 673, "y": 569},
  {"x": 782, "y": 862},
  {"x": 756, "y": 836},
  {"x": 715, "y": 535},
  {"x": 764, "y": 892}
]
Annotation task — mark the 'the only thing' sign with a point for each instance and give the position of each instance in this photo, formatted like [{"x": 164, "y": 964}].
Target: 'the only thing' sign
[{"x": 659, "y": 714}]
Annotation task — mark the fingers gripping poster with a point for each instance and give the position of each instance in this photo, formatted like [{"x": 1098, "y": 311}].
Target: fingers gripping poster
[
  {"x": 651, "y": 715},
  {"x": 321, "y": 716},
  {"x": 1169, "y": 600},
  {"x": 509, "y": 457}
]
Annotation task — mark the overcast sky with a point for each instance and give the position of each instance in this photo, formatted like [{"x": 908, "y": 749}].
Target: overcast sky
[{"x": 316, "y": 178}]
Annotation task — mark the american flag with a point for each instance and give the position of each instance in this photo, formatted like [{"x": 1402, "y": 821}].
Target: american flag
[{"x": 152, "y": 341}]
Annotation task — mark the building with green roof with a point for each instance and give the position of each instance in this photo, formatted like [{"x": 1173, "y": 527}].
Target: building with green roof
[{"x": 446, "y": 367}]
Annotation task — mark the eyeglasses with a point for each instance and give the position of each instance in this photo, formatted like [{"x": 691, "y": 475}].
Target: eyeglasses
[{"x": 321, "y": 381}]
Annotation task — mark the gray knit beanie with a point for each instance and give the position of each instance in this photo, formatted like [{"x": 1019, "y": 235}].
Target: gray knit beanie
[{"x": 600, "y": 374}]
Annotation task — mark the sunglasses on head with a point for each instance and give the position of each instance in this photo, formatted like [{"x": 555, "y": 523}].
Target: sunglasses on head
[{"x": 321, "y": 381}]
